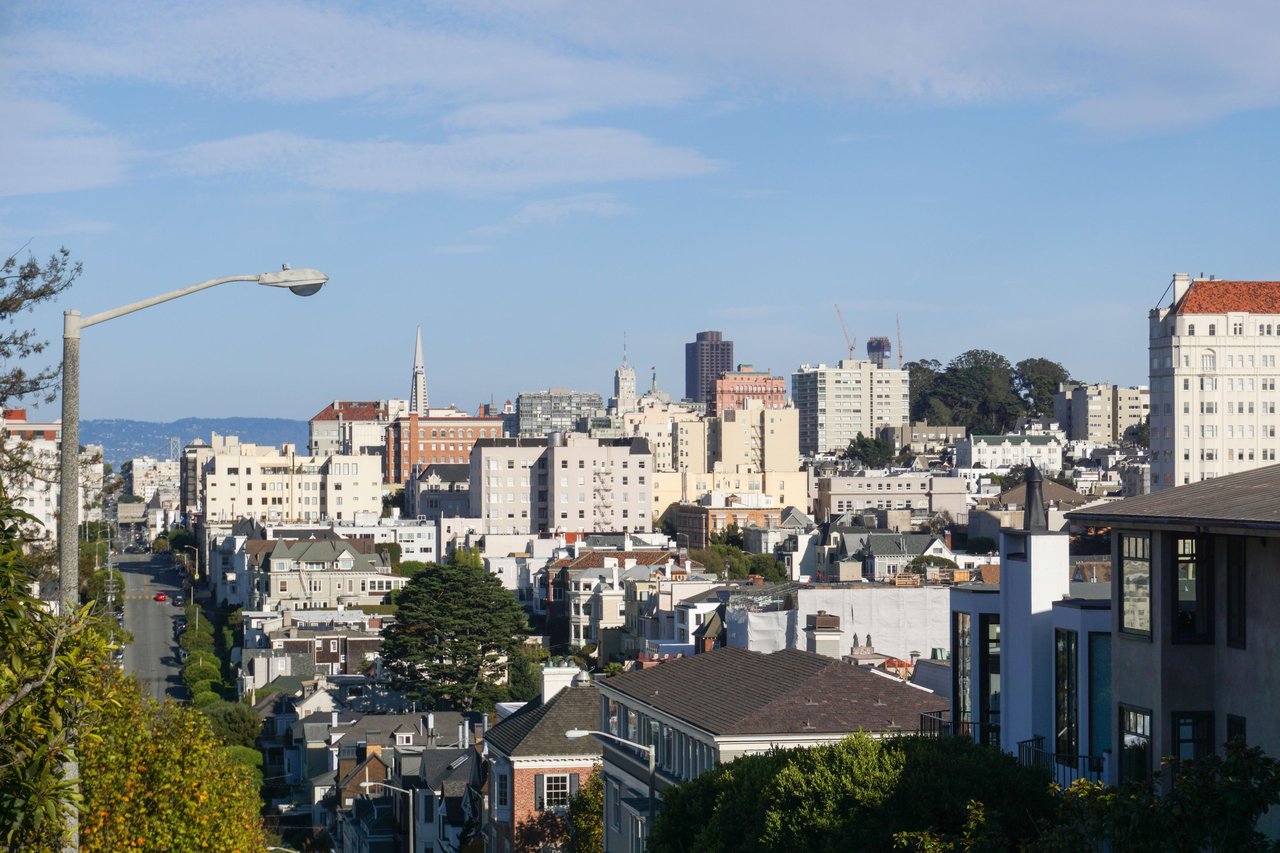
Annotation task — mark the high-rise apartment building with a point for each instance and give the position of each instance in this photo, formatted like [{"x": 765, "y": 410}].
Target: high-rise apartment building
[
  {"x": 837, "y": 403},
  {"x": 625, "y": 399},
  {"x": 1213, "y": 380},
  {"x": 554, "y": 410},
  {"x": 705, "y": 359}
]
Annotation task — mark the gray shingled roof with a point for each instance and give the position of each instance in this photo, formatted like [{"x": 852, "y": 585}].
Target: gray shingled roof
[
  {"x": 1250, "y": 499},
  {"x": 538, "y": 729},
  {"x": 885, "y": 544},
  {"x": 732, "y": 691}
]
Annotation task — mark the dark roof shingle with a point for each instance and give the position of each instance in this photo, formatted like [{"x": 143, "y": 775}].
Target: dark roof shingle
[
  {"x": 538, "y": 728},
  {"x": 1247, "y": 499}
]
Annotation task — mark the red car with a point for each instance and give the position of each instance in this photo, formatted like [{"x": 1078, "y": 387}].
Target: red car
[{"x": 160, "y": 596}]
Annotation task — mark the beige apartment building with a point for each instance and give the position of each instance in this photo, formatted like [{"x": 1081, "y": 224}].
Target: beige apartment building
[
  {"x": 280, "y": 485},
  {"x": 837, "y": 403},
  {"x": 1213, "y": 380},
  {"x": 561, "y": 482},
  {"x": 1100, "y": 413},
  {"x": 923, "y": 494}
]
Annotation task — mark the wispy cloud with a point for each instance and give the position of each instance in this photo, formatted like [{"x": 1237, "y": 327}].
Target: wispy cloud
[
  {"x": 552, "y": 211},
  {"x": 482, "y": 163},
  {"x": 47, "y": 148}
]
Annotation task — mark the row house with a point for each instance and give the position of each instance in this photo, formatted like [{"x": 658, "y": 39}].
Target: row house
[
  {"x": 306, "y": 652},
  {"x": 440, "y": 491},
  {"x": 316, "y": 574},
  {"x": 923, "y": 494},
  {"x": 1001, "y": 452}
]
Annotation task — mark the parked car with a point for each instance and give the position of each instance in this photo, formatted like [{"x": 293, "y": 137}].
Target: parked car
[
  {"x": 179, "y": 600},
  {"x": 160, "y": 596}
]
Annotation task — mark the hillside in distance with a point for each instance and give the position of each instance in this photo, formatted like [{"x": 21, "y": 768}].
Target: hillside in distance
[{"x": 122, "y": 440}]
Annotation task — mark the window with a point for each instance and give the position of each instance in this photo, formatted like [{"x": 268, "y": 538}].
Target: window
[
  {"x": 1192, "y": 735},
  {"x": 1135, "y": 737},
  {"x": 555, "y": 791},
  {"x": 1236, "y": 728},
  {"x": 615, "y": 804},
  {"x": 1066, "y": 661},
  {"x": 1191, "y": 329},
  {"x": 1237, "y": 601},
  {"x": 989, "y": 677},
  {"x": 1099, "y": 693},
  {"x": 1213, "y": 329},
  {"x": 503, "y": 791},
  {"x": 1135, "y": 584},
  {"x": 1192, "y": 577}
]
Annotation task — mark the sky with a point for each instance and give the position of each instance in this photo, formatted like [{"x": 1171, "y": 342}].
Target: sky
[{"x": 528, "y": 181}]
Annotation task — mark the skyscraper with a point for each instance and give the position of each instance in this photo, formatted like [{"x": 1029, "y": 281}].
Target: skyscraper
[
  {"x": 418, "y": 393},
  {"x": 705, "y": 358},
  {"x": 624, "y": 386}
]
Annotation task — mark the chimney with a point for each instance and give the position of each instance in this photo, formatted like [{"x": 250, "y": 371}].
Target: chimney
[
  {"x": 822, "y": 634},
  {"x": 1181, "y": 284},
  {"x": 556, "y": 677},
  {"x": 1035, "y": 518}
]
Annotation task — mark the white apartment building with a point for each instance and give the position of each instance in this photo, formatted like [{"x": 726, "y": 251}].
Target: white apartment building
[
  {"x": 34, "y": 482},
  {"x": 145, "y": 477},
  {"x": 247, "y": 481},
  {"x": 837, "y": 403},
  {"x": 923, "y": 493},
  {"x": 1007, "y": 451},
  {"x": 561, "y": 482},
  {"x": 1100, "y": 412},
  {"x": 1213, "y": 380}
]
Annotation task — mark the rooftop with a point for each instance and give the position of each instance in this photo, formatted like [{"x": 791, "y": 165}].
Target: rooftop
[
  {"x": 1222, "y": 297},
  {"x": 732, "y": 691},
  {"x": 1249, "y": 499},
  {"x": 538, "y": 728}
]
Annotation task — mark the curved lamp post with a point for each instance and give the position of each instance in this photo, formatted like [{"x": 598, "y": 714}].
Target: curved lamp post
[
  {"x": 302, "y": 282},
  {"x": 408, "y": 794},
  {"x": 648, "y": 749}
]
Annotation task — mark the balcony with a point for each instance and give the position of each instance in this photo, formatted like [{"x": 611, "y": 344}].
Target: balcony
[
  {"x": 1064, "y": 768},
  {"x": 940, "y": 724}
]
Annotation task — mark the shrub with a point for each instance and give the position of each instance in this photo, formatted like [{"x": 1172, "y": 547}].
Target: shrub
[{"x": 203, "y": 700}]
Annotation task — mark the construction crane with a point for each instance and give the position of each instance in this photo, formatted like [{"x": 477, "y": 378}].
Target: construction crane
[
  {"x": 898, "y": 319},
  {"x": 850, "y": 342}
]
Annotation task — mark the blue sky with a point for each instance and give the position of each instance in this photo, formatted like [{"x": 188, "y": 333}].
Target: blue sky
[{"x": 527, "y": 181}]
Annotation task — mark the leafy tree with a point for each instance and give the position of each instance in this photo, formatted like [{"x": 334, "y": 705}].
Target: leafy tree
[
  {"x": 871, "y": 452},
  {"x": 234, "y": 723},
  {"x": 467, "y": 558},
  {"x": 392, "y": 551},
  {"x": 180, "y": 539},
  {"x": 731, "y": 536},
  {"x": 1140, "y": 433},
  {"x": 23, "y": 286},
  {"x": 923, "y": 377},
  {"x": 579, "y": 829},
  {"x": 732, "y": 562},
  {"x": 924, "y": 562},
  {"x": 1037, "y": 380},
  {"x": 409, "y": 568},
  {"x": 854, "y": 795},
  {"x": 160, "y": 545},
  {"x": 50, "y": 667},
  {"x": 454, "y": 627},
  {"x": 156, "y": 778}
]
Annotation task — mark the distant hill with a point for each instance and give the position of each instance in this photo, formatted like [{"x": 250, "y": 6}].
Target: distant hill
[{"x": 123, "y": 440}]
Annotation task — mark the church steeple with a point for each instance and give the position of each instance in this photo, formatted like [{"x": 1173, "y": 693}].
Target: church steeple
[{"x": 418, "y": 393}]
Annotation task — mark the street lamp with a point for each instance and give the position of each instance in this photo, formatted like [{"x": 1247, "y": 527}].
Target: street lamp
[
  {"x": 408, "y": 794},
  {"x": 303, "y": 282},
  {"x": 195, "y": 560},
  {"x": 648, "y": 749}
]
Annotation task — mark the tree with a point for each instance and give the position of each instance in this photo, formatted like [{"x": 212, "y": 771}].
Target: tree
[
  {"x": 922, "y": 377},
  {"x": 23, "y": 286},
  {"x": 409, "y": 568},
  {"x": 49, "y": 690},
  {"x": 871, "y": 452},
  {"x": 924, "y": 562},
  {"x": 524, "y": 673},
  {"x": 854, "y": 795},
  {"x": 1037, "y": 380},
  {"x": 467, "y": 558},
  {"x": 156, "y": 778},
  {"x": 731, "y": 536},
  {"x": 454, "y": 628},
  {"x": 234, "y": 723},
  {"x": 579, "y": 829}
]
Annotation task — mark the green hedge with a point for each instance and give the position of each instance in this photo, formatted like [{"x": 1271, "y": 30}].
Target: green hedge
[{"x": 202, "y": 700}]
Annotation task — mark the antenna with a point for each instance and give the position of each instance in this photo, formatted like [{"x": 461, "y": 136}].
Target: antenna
[
  {"x": 898, "y": 319},
  {"x": 850, "y": 342}
]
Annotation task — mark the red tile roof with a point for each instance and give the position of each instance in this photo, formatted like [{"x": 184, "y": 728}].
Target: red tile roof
[
  {"x": 350, "y": 411},
  {"x": 1221, "y": 297}
]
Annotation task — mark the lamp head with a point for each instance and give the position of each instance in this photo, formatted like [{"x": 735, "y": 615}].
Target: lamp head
[
  {"x": 303, "y": 282},
  {"x": 574, "y": 734}
]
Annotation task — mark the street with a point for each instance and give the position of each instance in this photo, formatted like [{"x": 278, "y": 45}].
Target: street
[{"x": 152, "y": 656}]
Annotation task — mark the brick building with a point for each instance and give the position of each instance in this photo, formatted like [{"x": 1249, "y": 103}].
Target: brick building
[
  {"x": 533, "y": 767},
  {"x": 441, "y": 437},
  {"x": 734, "y": 387}
]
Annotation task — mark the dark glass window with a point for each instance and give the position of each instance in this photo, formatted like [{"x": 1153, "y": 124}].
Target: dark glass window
[
  {"x": 1236, "y": 592},
  {"x": 1192, "y": 735},
  {"x": 1236, "y": 728},
  {"x": 1135, "y": 584},
  {"x": 1193, "y": 583},
  {"x": 989, "y": 677},
  {"x": 1135, "y": 737},
  {"x": 1066, "y": 694},
  {"x": 1099, "y": 693}
]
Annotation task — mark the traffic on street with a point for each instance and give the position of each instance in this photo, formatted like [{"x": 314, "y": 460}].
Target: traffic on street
[{"x": 153, "y": 592}]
